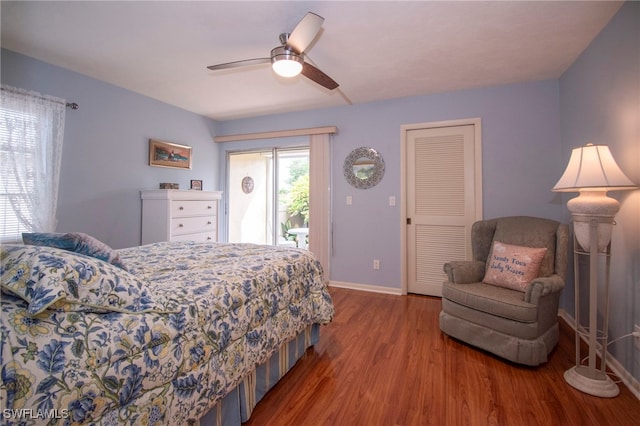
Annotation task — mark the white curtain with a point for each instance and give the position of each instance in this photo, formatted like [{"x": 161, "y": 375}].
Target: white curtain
[
  {"x": 31, "y": 135},
  {"x": 320, "y": 199}
]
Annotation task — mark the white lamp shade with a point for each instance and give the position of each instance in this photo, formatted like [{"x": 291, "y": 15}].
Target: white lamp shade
[{"x": 592, "y": 167}]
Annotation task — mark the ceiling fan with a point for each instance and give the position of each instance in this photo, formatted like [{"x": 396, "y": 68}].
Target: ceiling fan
[{"x": 287, "y": 60}]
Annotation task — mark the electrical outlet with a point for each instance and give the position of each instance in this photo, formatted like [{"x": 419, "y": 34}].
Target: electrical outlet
[
  {"x": 636, "y": 337},
  {"x": 376, "y": 264}
]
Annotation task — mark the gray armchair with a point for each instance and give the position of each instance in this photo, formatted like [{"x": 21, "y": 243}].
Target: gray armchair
[{"x": 521, "y": 326}]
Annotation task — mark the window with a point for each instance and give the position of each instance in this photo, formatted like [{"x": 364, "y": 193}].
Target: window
[
  {"x": 275, "y": 210},
  {"x": 31, "y": 132}
]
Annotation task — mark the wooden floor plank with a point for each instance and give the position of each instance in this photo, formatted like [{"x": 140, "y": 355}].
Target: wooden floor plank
[{"x": 384, "y": 361}]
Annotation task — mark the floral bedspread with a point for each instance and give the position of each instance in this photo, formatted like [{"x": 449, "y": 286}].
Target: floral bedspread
[{"x": 232, "y": 306}]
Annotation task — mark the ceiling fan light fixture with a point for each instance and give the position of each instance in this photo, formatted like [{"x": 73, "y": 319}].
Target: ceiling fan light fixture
[{"x": 285, "y": 62}]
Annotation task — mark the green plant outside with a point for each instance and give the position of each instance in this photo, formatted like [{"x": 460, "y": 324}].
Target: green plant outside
[{"x": 298, "y": 198}]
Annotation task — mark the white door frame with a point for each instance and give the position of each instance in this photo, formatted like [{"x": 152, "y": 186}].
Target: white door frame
[{"x": 477, "y": 123}]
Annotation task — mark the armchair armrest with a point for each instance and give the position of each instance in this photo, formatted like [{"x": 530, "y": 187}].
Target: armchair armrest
[
  {"x": 543, "y": 286},
  {"x": 464, "y": 271}
]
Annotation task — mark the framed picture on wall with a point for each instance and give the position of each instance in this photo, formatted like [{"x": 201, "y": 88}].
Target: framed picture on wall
[
  {"x": 196, "y": 185},
  {"x": 167, "y": 154}
]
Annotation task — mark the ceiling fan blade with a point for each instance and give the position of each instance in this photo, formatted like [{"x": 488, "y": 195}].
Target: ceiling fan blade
[
  {"x": 304, "y": 33},
  {"x": 314, "y": 74},
  {"x": 238, "y": 64}
]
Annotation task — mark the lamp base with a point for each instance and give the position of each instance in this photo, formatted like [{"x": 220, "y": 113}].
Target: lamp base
[
  {"x": 601, "y": 386},
  {"x": 593, "y": 205}
]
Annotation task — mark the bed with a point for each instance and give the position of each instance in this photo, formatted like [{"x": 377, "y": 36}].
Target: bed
[{"x": 166, "y": 333}]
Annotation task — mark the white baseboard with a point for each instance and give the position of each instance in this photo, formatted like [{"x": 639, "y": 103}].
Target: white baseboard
[
  {"x": 625, "y": 376},
  {"x": 366, "y": 287}
]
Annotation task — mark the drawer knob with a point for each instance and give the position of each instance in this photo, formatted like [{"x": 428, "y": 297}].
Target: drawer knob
[
  {"x": 209, "y": 222},
  {"x": 208, "y": 238},
  {"x": 180, "y": 225},
  {"x": 209, "y": 207},
  {"x": 180, "y": 208}
]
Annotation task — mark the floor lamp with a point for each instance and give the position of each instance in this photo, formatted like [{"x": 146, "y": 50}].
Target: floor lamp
[{"x": 592, "y": 171}]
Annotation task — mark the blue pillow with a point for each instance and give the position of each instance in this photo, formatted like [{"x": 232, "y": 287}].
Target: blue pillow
[{"x": 76, "y": 242}]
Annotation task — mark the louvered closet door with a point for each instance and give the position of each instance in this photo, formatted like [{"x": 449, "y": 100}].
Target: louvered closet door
[{"x": 441, "y": 203}]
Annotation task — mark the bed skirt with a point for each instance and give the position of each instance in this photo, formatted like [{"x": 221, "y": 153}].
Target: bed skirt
[{"x": 236, "y": 407}]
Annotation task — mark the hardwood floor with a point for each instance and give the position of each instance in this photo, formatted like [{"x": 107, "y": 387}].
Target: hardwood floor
[{"x": 384, "y": 361}]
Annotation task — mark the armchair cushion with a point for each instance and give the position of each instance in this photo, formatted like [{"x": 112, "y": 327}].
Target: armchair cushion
[
  {"x": 513, "y": 266},
  {"x": 493, "y": 300}
]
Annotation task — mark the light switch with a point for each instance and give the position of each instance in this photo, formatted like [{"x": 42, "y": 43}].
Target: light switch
[
  {"x": 392, "y": 201},
  {"x": 349, "y": 200}
]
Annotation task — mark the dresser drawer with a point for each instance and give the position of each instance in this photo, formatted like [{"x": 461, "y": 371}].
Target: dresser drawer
[
  {"x": 188, "y": 225},
  {"x": 181, "y": 208},
  {"x": 200, "y": 237}
]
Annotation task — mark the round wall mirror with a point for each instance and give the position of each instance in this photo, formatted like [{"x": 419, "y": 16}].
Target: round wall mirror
[{"x": 363, "y": 168}]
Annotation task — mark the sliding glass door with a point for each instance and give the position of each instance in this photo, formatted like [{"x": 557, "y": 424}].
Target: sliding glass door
[{"x": 269, "y": 196}]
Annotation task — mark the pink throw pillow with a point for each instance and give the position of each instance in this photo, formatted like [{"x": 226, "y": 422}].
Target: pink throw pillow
[{"x": 513, "y": 266}]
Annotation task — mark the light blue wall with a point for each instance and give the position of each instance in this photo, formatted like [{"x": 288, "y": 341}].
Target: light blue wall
[
  {"x": 600, "y": 103},
  {"x": 105, "y": 152},
  {"x": 521, "y": 162}
]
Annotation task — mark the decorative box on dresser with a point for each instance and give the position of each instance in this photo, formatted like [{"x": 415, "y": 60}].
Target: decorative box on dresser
[{"x": 173, "y": 215}]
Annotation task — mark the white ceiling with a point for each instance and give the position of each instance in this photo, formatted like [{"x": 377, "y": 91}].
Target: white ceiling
[{"x": 375, "y": 50}]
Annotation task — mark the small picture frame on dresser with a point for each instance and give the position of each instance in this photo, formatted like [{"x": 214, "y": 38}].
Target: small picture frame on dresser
[
  {"x": 196, "y": 185},
  {"x": 165, "y": 185}
]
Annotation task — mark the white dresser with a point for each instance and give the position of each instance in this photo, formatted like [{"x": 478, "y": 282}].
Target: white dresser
[{"x": 173, "y": 215}]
